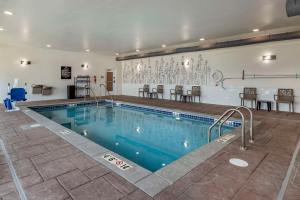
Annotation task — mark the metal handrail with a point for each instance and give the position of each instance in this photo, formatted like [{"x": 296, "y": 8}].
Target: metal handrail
[
  {"x": 106, "y": 92},
  {"x": 95, "y": 96},
  {"x": 251, "y": 123},
  {"x": 231, "y": 111}
]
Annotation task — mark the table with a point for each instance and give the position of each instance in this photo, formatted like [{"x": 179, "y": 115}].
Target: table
[
  {"x": 269, "y": 104},
  {"x": 184, "y": 97},
  {"x": 152, "y": 95}
]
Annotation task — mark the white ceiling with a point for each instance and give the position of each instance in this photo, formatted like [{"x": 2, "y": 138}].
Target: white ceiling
[{"x": 110, "y": 26}]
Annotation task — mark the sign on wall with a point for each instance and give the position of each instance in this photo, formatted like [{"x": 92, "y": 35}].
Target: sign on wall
[{"x": 66, "y": 72}]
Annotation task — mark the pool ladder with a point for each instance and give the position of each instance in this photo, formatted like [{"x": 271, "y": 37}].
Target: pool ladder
[
  {"x": 228, "y": 114},
  {"x": 95, "y": 97},
  {"x": 107, "y": 92}
]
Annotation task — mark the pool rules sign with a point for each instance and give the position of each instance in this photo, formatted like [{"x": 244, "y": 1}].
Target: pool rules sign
[{"x": 116, "y": 161}]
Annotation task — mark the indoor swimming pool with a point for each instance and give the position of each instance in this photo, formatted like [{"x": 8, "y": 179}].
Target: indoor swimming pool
[{"x": 148, "y": 136}]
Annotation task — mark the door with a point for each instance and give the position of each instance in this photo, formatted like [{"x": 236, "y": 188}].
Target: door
[{"x": 109, "y": 81}]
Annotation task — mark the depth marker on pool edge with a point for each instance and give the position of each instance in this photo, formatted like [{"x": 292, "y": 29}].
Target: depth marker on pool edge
[{"x": 116, "y": 162}]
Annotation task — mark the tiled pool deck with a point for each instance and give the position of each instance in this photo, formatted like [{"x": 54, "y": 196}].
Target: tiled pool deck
[{"x": 51, "y": 168}]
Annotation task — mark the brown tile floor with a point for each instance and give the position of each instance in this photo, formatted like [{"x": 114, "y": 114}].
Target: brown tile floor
[{"x": 51, "y": 168}]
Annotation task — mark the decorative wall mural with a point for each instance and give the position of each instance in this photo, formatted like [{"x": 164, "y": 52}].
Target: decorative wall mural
[{"x": 192, "y": 70}]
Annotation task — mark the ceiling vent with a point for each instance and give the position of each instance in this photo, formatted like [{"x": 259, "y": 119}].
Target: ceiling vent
[{"x": 292, "y": 8}]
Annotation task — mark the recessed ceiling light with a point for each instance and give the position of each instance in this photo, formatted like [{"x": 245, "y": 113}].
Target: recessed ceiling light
[
  {"x": 202, "y": 39},
  {"x": 1, "y": 29},
  {"x": 137, "y": 50},
  {"x": 48, "y": 45},
  {"x": 87, "y": 50},
  {"x": 163, "y": 46},
  {"x": 117, "y": 54},
  {"x": 255, "y": 30},
  {"x": 8, "y": 13}
]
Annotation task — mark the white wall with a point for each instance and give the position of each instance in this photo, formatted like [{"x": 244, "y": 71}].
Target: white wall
[
  {"x": 231, "y": 61},
  {"x": 45, "y": 69}
]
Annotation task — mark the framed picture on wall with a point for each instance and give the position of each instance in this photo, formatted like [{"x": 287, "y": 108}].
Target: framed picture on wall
[{"x": 66, "y": 72}]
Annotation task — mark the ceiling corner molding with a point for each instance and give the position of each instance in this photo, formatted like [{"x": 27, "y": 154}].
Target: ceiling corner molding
[{"x": 217, "y": 45}]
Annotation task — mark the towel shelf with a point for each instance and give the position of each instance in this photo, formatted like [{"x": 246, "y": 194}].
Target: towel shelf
[{"x": 41, "y": 89}]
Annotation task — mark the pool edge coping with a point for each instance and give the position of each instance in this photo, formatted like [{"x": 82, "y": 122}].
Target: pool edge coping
[{"x": 150, "y": 182}]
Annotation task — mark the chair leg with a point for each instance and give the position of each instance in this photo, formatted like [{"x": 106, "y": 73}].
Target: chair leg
[
  {"x": 289, "y": 107},
  {"x": 276, "y": 106}
]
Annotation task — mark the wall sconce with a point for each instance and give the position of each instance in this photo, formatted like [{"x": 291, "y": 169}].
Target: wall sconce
[
  {"x": 138, "y": 67},
  {"x": 186, "y": 63},
  {"x": 269, "y": 57},
  {"x": 25, "y": 62},
  {"x": 85, "y": 66}
]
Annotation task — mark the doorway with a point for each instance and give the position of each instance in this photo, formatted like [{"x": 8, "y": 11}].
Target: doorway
[{"x": 110, "y": 81}]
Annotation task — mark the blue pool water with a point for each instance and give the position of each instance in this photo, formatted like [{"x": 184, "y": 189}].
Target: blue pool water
[{"x": 150, "y": 139}]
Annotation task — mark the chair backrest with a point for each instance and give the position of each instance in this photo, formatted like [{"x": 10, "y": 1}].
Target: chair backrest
[
  {"x": 146, "y": 88},
  {"x": 17, "y": 94},
  {"x": 285, "y": 94},
  {"x": 179, "y": 89},
  {"x": 160, "y": 89},
  {"x": 196, "y": 90},
  {"x": 250, "y": 93}
]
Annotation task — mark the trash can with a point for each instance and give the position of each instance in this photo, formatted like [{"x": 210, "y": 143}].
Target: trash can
[{"x": 71, "y": 91}]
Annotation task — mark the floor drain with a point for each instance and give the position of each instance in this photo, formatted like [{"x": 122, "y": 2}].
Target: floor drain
[{"x": 238, "y": 162}]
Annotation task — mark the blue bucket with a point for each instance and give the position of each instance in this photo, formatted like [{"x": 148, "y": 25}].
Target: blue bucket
[{"x": 7, "y": 104}]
